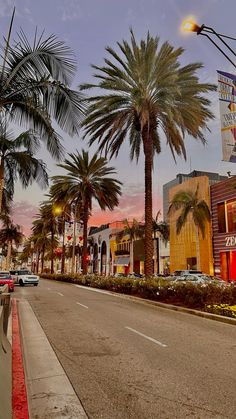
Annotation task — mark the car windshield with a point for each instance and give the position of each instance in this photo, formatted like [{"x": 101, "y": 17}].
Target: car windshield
[{"x": 24, "y": 272}]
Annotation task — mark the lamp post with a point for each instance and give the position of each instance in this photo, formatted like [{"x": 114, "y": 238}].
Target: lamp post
[{"x": 207, "y": 31}]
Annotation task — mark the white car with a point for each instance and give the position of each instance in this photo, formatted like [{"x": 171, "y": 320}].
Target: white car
[{"x": 25, "y": 277}]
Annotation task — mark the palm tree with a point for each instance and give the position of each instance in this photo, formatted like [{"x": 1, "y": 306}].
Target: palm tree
[
  {"x": 135, "y": 230},
  {"x": 161, "y": 229},
  {"x": 35, "y": 88},
  {"x": 197, "y": 209},
  {"x": 10, "y": 233},
  {"x": 17, "y": 161},
  {"x": 87, "y": 180},
  {"x": 147, "y": 93}
]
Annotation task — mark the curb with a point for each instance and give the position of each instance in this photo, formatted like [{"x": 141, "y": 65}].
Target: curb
[
  {"x": 19, "y": 395},
  {"x": 198, "y": 313}
]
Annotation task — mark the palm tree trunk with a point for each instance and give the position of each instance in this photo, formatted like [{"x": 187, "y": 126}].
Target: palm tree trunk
[
  {"x": 8, "y": 261},
  {"x": 1, "y": 182},
  {"x": 73, "y": 247},
  {"x": 131, "y": 256},
  {"x": 85, "y": 240},
  {"x": 198, "y": 250},
  {"x": 52, "y": 251},
  {"x": 42, "y": 258},
  {"x": 148, "y": 152},
  {"x": 63, "y": 249}
]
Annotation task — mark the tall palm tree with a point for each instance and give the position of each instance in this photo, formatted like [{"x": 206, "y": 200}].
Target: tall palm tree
[
  {"x": 35, "y": 87},
  {"x": 87, "y": 180},
  {"x": 11, "y": 233},
  {"x": 18, "y": 161},
  {"x": 143, "y": 93},
  {"x": 135, "y": 230},
  {"x": 191, "y": 206}
]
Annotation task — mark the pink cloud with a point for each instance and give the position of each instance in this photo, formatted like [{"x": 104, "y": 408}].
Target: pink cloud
[{"x": 23, "y": 214}]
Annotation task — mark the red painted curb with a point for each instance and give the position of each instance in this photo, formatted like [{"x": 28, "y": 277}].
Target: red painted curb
[{"x": 19, "y": 395}]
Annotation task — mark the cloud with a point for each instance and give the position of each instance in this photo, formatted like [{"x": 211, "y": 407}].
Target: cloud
[
  {"x": 70, "y": 10},
  {"x": 23, "y": 214},
  {"x": 131, "y": 206},
  {"x": 6, "y": 7}
]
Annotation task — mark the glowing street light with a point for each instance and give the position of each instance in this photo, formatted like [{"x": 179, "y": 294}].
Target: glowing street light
[{"x": 189, "y": 25}]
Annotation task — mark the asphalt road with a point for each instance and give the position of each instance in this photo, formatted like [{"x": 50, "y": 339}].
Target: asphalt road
[{"x": 131, "y": 360}]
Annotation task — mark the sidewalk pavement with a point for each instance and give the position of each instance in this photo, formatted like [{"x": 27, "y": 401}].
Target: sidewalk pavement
[{"x": 50, "y": 393}]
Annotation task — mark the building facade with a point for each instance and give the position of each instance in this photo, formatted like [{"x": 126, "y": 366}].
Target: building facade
[
  {"x": 223, "y": 205},
  {"x": 183, "y": 246}
]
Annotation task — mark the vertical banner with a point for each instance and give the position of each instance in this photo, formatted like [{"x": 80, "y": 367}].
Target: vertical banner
[
  {"x": 69, "y": 232},
  {"x": 227, "y": 98}
]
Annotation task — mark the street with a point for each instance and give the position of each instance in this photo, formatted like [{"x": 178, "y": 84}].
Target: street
[{"x": 127, "y": 359}]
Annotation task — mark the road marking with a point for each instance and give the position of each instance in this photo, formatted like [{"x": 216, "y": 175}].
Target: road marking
[
  {"x": 60, "y": 294},
  {"x": 146, "y": 337},
  {"x": 81, "y": 305},
  {"x": 93, "y": 289}
]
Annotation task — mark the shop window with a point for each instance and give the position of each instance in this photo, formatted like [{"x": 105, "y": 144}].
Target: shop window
[
  {"x": 221, "y": 217},
  {"x": 231, "y": 216}
]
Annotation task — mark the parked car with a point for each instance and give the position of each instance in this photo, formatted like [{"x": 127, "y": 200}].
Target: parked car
[
  {"x": 134, "y": 275},
  {"x": 6, "y": 279},
  {"x": 25, "y": 277},
  {"x": 186, "y": 272},
  {"x": 193, "y": 278}
]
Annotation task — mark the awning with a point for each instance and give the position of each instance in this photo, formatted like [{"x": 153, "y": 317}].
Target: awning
[{"x": 122, "y": 260}]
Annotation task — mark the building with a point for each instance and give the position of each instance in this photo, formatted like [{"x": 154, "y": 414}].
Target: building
[
  {"x": 183, "y": 177},
  {"x": 223, "y": 205},
  {"x": 183, "y": 246}
]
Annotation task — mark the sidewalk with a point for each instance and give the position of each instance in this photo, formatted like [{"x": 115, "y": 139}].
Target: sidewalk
[{"x": 50, "y": 393}]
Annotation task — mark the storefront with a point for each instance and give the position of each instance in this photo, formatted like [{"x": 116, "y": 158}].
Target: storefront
[{"x": 223, "y": 204}]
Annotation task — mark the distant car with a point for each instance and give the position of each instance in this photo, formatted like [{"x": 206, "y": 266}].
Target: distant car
[
  {"x": 186, "y": 272},
  {"x": 193, "y": 278},
  {"x": 134, "y": 275},
  {"x": 120, "y": 275},
  {"x": 25, "y": 277},
  {"x": 6, "y": 279}
]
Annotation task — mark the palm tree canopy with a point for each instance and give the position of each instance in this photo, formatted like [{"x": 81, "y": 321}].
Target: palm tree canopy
[
  {"x": 189, "y": 203},
  {"x": 18, "y": 161},
  {"x": 35, "y": 85},
  {"x": 11, "y": 233},
  {"x": 146, "y": 89},
  {"x": 88, "y": 179},
  {"x": 133, "y": 228}
]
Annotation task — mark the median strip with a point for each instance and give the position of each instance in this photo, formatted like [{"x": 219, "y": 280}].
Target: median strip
[{"x": 146, "y": 337}]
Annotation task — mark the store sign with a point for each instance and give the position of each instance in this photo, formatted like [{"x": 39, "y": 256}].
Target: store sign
[
  {"x": 227, "y": 97},
  {"x": 230, "y": 241}
]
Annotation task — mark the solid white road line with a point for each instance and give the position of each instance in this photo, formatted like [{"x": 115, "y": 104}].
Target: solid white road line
[
  {"x": 81, "y": 305},
  {"x": 59, "y": 293},
  {"x": 146, "y": 337},
  {"x": 92, "y": 289}
]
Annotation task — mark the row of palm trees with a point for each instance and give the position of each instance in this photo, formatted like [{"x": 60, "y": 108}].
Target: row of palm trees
[{"x": 144, "y": 94}]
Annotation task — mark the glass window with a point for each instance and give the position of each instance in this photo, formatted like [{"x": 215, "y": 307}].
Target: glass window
[
  {"x": 231, "y": 215},
  {"x": 221, "y": 217}
]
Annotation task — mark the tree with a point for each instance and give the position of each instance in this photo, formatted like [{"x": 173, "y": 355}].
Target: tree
[
  {"x": 35, "y": 87},
  {"x": 191, "y": 206},
  {"x": 10, "y": 233},
  {"x": 17, "y": 161},
  {"x": 135, "y": 230},
  {"x": 147, "y": 93},
  {"x": 87, "y": 180}
]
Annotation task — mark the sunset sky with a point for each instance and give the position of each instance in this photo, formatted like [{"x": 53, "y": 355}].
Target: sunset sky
[{"x": 88, "y": 27}]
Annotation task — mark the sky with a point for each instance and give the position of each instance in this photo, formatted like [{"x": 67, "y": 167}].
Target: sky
[{"x": 88, "y": 27}]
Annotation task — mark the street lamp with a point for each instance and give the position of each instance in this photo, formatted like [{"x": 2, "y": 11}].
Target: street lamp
[{"x": 191, "y": 26}]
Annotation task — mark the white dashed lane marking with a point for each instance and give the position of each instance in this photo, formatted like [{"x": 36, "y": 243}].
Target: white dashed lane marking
[
  {"x": 146, "y": 337},
  {"x": 82, "y": 305}
]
